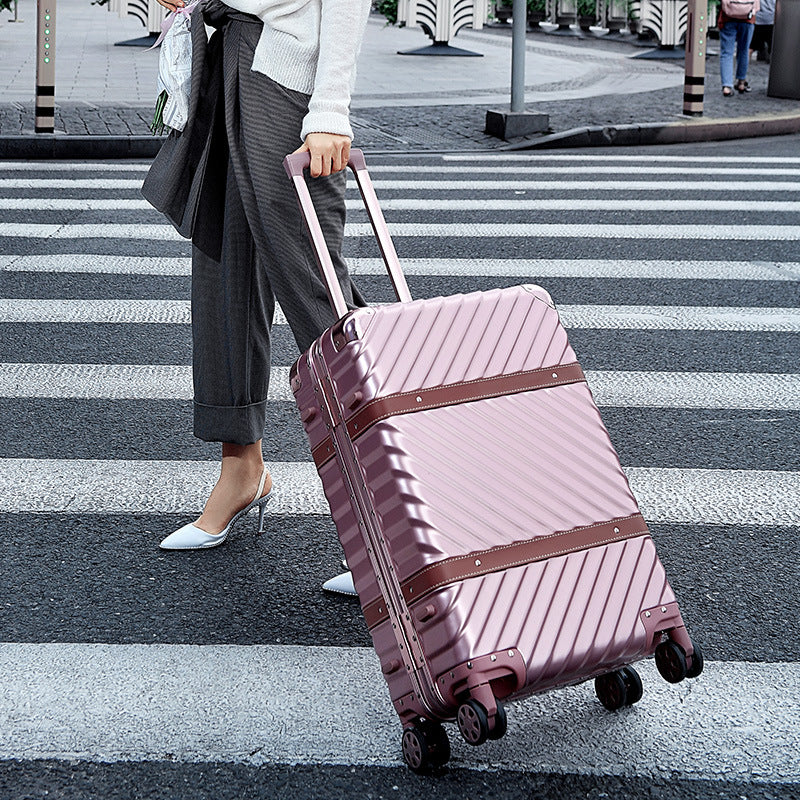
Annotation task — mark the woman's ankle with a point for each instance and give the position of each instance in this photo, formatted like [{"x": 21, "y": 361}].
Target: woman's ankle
[
  {"x": 243, "y": 459},
  {"x": 238, "y": 485},
  {"x": 245, "y": 452}
]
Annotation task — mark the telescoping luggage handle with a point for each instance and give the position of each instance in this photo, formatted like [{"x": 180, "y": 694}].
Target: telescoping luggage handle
[{"x": 294, "y": 165}]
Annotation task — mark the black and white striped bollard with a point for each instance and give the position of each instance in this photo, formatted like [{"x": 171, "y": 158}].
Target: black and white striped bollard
[
  {"x": 45, "y": 66},
  {"x": 695, "y": 72}
]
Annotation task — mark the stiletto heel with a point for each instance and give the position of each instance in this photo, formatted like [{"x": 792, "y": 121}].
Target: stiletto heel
[
  {"x": 190, "y": 537},
  {"x": 262, "y": 507}
]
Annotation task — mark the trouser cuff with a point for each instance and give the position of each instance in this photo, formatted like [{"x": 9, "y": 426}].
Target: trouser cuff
[{"x": 234, "y": 424}]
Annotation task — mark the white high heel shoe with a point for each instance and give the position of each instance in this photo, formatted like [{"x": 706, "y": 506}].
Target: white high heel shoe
[
  {"x": 341, "y": 584},
  {"x": 190, "y": 537}
]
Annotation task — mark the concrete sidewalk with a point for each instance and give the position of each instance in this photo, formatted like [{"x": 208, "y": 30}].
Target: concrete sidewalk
[{"x": 594, "y": 90}]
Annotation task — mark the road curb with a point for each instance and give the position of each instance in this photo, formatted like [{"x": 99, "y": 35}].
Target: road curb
[
  {"x": 692, "y": 130},
  {"x": 36, "y": 146},
  {"x": 65, "y": 146}
]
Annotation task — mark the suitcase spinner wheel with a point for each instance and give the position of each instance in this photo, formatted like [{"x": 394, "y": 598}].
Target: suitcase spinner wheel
[
  {"x": 672, "y": 663},
  {"x": 633, "y": 685},
  {"x": 618, "y": 689},
  {"x": 425, "y": 746},
  {"x": 696, "y": 667},
  {"x": 474, "y": 726}
]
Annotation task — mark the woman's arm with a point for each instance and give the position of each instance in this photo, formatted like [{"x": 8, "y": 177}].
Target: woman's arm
[{"x": 326, "y": 127}]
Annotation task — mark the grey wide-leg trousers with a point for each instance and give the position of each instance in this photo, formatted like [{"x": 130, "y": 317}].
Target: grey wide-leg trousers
[{"x": 249, "y": 245}]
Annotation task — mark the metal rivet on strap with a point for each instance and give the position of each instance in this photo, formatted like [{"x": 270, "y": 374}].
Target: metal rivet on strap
[
  {"x": 477, "y": 562},
  {"x": 419, "y": 399},
  {"x": 616, "y": 530}
]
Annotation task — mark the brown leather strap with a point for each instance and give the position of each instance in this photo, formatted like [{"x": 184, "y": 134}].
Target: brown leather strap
[
  {"x": 375, "y": 613},
  {"x": 496, "y": 559},
  {"x": 451, "y": 394},
  {"x": 323, "y": 452}
]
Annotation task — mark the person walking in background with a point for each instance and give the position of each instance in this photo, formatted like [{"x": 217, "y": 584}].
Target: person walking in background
[
  {"x": 762, "y": 35},
  {"x": 274, "y": 78},
  {"x": 735, "y": 22}
]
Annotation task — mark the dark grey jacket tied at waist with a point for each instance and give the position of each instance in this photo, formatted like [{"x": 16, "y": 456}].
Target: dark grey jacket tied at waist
[{"x": 182, "y": 172}]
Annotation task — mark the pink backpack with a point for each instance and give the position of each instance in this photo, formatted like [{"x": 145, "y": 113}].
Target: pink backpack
[{"x": 740, "y": 9}]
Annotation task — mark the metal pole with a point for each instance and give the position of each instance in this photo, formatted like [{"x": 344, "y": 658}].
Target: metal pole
[
  {"x": 520, "y": 21},
  {"x": 45, "y": 66},
  {"x": 695, "y": 71}
]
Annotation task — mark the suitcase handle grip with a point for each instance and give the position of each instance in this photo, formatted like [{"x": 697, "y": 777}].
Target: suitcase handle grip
[{"x": 295, "y": 164}]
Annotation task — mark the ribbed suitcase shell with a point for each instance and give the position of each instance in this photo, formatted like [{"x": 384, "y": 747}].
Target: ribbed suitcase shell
[
  {"x": 472, "y": 479},
  {"x": 451, "y": 481}
]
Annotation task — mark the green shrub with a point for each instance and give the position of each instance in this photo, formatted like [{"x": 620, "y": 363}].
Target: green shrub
[{"x": 386, "y": 7}]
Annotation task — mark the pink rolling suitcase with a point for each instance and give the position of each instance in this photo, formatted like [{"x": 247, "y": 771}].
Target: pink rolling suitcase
[{"x": 494, "y": 540}]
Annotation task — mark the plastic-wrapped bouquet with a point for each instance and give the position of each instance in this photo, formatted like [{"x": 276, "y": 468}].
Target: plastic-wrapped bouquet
[{"x": 174, "y": 71}]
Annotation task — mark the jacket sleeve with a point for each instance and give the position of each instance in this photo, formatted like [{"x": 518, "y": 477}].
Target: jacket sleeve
[{"x": 342, "y": 27}]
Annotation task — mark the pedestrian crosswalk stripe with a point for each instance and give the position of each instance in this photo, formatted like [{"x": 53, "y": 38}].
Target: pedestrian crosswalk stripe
[
  {"x": 587, "y": 231},
  {"x": 611, "y": 157},
  {"x": 74, "y": 204},
  {"x": 579, "y": 204},
  {"x": 95, "y": 311},
  {"x": 470, "y": 186},
  {"x": 709, "y": 318},
  {"x": 780, "y": 233},
  {"x": 458, "y": 267},
  {"x": 665, "y": 495},
  {"x": 70, "y": 183},
  {"x": 74, "y": 166},
  {"x": 593, "y": 185},
  {"x": 639, "y": 389},
  {"x": 437, "y": 204},
  {"x": 286, "y": 704},
  {"x": 91, "y": 263},
  {"x": 634, "y": 389},
  {"x": 112, "y": 381},
  {"x": 543, "y": 168}
]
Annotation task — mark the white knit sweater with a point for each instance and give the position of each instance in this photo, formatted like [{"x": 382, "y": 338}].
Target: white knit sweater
[{"x": 311, "y": 46}]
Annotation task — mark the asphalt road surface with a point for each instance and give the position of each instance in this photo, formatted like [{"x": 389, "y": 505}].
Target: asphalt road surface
[{"x": 130, "y": 672}]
